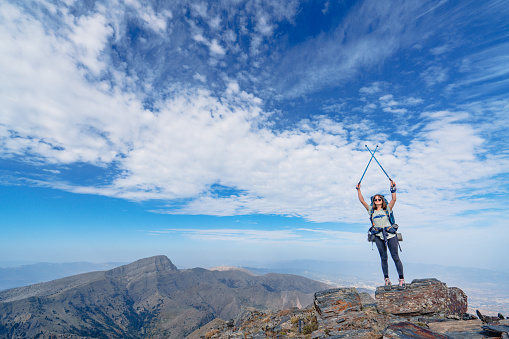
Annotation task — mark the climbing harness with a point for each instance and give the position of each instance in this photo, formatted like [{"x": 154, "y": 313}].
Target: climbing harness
[{"x": 393, "y": 229}]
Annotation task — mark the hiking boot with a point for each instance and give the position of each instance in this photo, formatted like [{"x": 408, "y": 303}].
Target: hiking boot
[
  {"x": 388, "y": 284},
  {"x": 402, "y": 284}
]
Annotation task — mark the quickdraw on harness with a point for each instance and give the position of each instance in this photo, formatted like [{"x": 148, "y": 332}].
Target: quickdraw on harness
[{"x": 376, "y": 230}]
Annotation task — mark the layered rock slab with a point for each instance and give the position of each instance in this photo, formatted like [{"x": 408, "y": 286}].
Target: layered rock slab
[
  {"x": 336, "y": 301},
  {"x": 341, "y": 311},
  {"x": 406, "y": 330},
  {"x": 422, "y": 297}
]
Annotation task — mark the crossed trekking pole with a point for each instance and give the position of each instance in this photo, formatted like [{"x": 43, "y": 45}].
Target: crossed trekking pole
[{"x": 373, "y": 157}]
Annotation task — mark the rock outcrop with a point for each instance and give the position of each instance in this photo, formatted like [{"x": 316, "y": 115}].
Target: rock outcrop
[
  {"x": 422, "y": 297},
  {"x": 407, "y": 313},
  {"x": 427, "y": 308},
  {"x": 337, "y": 301}
]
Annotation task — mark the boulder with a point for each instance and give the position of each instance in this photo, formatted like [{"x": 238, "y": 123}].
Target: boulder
[
  {"x": 470, "y": 329},
  {"x": 340, "y": 310},
  {"x": 337, "y": 301},
  {"x": 422, "y": 297}
]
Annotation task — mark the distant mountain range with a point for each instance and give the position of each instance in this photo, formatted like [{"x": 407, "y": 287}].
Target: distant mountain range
[
  {"x": 29, "y": 274},
  {"x": 487, "y": 290},
  {"x": 147, "y": 298}
]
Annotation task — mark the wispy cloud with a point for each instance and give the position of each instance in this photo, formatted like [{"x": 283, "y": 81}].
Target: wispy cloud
[
  {"x": 304, "y": 236},
  {"x": 371, "y": 33},
  {"x": 375, "y": 87},
  {"x": 434, "y": 75}
]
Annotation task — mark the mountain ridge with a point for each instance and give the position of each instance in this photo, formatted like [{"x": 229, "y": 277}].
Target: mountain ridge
[
  {"x": 149, "y": 297},
  {"x": 487, "y": 289}
]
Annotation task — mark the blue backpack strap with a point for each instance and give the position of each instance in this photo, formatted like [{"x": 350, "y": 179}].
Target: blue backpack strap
[{"x": 390, "y": 216}]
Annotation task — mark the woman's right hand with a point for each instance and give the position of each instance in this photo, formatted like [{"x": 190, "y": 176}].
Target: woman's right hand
[{"x": 361, "y": 198}]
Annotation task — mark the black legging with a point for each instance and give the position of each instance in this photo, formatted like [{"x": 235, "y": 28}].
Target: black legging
[{"x": 392, "y": 243}]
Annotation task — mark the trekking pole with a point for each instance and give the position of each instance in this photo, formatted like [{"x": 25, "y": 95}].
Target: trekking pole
[{"x": 372, "y": 155}]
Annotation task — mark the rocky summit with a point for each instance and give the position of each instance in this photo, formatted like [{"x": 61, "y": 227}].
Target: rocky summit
[
  {"x": 427, "y": 308},
  {"x": 152, "y": 298},
  {"x": 149, "y": 298}
]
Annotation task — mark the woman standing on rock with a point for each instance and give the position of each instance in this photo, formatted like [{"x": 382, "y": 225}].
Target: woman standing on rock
[{"x": 379, "y": 212}]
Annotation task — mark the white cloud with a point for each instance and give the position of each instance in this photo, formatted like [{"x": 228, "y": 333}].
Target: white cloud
[
  {"x": 434, "y": 75},
  {"x": 325, "y": 8},
  {"x": 216, "y": 48},
  {"x": 200, "y": 9},
  {"x": 375, "y": 87},
  {"x": 390, "y": 105},
  {"x": 238, "y": 235},
  {"x": 263, "y": 26},
  {"x": 441, "y": 49},
  {"x": 155, "y": 21},
  {"x": 61, "y": 117},
  {"x": 200, "y": 38},
  {"x": 200, "y": 77},
  {"x": 52, "y": 171},
  {"x": 395, "y": 110},
  {"x": 334, "y": 107},
  {"x": 215, "y": 23},
  {"x": 284, "y": 237},
  {"x": 440, "y": 3},
  {"x": 388, "y": 100},
  {"x": 413, "y": 101},
  {"x": 368, "y": 108},
  {"x": 89, "y": 36}
]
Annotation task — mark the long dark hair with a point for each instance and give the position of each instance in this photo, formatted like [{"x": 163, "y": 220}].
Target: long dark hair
[{"x": 384, "y": 202}]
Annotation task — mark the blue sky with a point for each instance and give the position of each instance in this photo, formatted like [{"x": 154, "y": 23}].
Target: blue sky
[{"x": 234, "y": 132}]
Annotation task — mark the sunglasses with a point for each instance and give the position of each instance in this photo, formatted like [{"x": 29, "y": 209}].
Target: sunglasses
[{"x": 377, "y": 199}]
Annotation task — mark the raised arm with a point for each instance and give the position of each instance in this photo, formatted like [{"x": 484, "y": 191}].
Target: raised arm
[
  {"x": 361, "y": 198},
  {"x": 393, "y": 195}
]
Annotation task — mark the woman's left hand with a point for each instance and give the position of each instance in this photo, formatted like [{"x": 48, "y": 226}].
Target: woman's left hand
[{"x": 393, "y": 187}]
